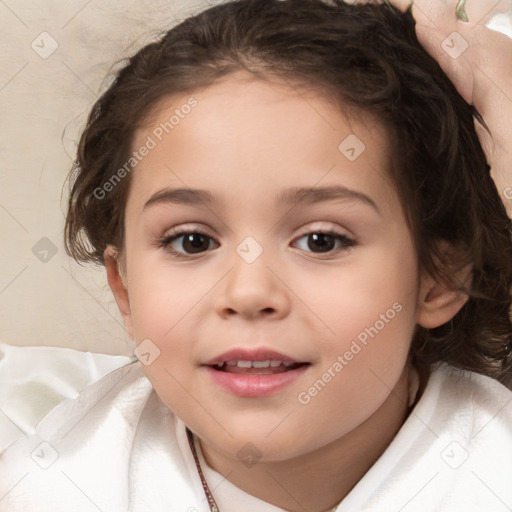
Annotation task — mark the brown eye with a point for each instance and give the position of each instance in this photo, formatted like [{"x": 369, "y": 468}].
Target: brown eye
[
  {"x": 195, "y": 242},
  {"x": 188, "y": 243},
  {"x": 320, "y": 242}
]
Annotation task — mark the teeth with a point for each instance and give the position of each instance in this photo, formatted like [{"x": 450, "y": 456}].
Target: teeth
[
  {"x": 261, "y": 364},
  {"x": 255, "y": 364}
]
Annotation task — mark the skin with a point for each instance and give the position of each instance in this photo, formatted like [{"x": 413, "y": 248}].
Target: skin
[{"x": 245, "y": 142}]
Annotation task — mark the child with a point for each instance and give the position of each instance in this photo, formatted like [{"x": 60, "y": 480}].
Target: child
[{"x": 299, "y": 227}]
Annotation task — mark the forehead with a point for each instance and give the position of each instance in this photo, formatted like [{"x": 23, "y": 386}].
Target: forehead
[{"x": 245, "y": 138}]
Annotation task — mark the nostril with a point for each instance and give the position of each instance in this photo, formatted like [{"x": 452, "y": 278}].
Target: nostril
[{"x": 249, "y": 312}]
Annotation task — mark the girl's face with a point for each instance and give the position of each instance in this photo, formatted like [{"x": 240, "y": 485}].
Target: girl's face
[{"x": 295, "y": 249}]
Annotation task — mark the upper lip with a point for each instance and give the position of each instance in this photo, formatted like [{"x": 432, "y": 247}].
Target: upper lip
[{"x": 245, "y": 354}]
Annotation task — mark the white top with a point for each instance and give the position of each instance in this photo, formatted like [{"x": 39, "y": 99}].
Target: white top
[{"x": 117, "y": 448}]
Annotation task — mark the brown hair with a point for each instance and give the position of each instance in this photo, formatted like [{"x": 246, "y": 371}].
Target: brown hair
[{"x": 365, "y": 56}]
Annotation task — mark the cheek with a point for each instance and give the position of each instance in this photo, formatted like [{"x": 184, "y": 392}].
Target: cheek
[
  {"x": 162, "y": 303},
  {"x": 161, "y": 295},
  {"x": 376, "y": 290},
  {"x": 165, "y": 303},
  {"x": 369, "y": 308}
]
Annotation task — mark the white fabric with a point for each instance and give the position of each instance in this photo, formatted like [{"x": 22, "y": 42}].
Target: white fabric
[
  {"x": 34, "y": 379},
  {"x": 118, "y": 448}
]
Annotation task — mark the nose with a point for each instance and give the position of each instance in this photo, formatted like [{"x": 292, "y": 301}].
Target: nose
[{"x": 252, "y": 291}]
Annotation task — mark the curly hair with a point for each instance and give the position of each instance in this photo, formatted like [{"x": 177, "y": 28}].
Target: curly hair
[{"x": 363, "y": 55}]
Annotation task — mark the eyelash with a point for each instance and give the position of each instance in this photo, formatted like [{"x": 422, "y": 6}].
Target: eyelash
[{"x": 165, "y": 242}]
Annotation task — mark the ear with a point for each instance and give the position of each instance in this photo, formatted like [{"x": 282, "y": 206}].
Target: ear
[
  {"x": 440, "y": 300},
  {"x": 118, "y": 286}
]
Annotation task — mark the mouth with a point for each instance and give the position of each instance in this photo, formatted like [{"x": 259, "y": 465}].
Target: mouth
[
  {"x": 254, "y": 372},
  {"x": 255, "y": 378},
  {"x": 254, "y": 361}
]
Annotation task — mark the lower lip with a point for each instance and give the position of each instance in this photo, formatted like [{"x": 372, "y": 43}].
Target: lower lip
[{"x": 255, "y": 386}]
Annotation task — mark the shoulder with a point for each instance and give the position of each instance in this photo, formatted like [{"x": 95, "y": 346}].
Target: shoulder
[
  {"x": 453, "y": 453},
  {"x": 461, "y": 394},
  {"x": 115, "y": 447},
  {"x": 80, "y": 443},
  {"x": 468, "y": 414}
]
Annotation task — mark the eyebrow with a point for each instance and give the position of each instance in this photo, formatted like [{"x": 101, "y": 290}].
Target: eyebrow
[
  {"x": 314, "y": 195},
  {"x": 181, "y": 196},
  {"x": 293, "y": 196}
]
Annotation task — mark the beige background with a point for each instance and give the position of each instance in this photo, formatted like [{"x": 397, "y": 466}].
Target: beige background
[{"x": 43, "y": 103}]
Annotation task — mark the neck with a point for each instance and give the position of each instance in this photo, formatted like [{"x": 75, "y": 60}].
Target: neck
[{"x": 319, "y": 481}]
